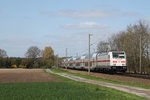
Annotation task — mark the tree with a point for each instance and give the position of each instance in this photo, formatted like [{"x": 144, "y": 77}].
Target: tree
[
  {"x": 47, "y": 53},
  {"x": 48, "y": 56},
  {"x": 3, "y": 53},
  {"x": 102, "y": 46},
  {"x": 33, "y": 52}
]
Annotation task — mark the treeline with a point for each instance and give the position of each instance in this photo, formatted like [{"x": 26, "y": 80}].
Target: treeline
[
  {"x": 135, "y": 41},
  {"x": 34, "y": 58},
  {"x": 25, "y": 63}
]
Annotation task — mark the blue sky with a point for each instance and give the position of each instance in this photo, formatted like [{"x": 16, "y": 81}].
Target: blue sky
[{"x": 65, "y": 24}]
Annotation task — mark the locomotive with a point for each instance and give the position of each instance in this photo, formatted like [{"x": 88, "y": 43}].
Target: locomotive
[{"x": 112, "y": 61}]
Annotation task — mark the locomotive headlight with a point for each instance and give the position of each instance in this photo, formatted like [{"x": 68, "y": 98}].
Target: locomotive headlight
[
  {"x": 114, "y": 61},
  {"x": 124, "y": 67},
  {"x": 123, "y": 61},
  {"x": 114, "y": 64}
]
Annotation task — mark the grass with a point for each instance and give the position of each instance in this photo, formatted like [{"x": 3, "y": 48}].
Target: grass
[
  {"x": 64, "y": 90},
  {"x": 60, "y": 91},
  {"x": 103, "y": 79}
]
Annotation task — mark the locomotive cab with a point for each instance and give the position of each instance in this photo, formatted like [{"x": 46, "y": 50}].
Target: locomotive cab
[{"x": 118, "y": 61}]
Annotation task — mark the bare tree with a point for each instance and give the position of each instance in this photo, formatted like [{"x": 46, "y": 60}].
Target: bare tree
[
  {"x": 33, "y": 52},
  {"x": 102, "y": 46},
  {"x": 3, "y": 53}
]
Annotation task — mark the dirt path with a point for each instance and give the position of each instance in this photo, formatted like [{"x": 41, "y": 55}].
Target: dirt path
[
  {"x": 24, "y": 75},
  {"x": 129, "y": 89}
]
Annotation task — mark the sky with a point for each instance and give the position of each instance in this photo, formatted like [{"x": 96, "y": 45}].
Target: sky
[{"x": 65, "y": 24}]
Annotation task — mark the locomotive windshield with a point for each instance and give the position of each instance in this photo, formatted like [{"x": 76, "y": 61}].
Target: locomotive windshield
[{"x": 118, "y": 55}]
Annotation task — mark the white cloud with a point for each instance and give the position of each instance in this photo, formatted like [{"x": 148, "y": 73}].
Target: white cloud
[
  {"x": 72, "y": 13},
  {"x": 86, "y": 25},
  {"x": 89, "y": 13},
  {"x": 82, "y": 13}
]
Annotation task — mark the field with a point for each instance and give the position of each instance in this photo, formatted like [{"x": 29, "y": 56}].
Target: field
[
  {"x": 24, "y": 75},
  {"x": 35, "y": 84}
]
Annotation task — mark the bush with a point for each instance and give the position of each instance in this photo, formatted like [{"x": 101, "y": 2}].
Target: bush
[
  {"x": 14, "y": 66},
  {"x": 22, "y": 66}
]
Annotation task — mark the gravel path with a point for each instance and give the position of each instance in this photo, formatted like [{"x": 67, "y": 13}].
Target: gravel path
[{"x": 134, "y": 90}]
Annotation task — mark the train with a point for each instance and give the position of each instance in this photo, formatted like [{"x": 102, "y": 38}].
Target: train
[{"x": 112, "y": 61}]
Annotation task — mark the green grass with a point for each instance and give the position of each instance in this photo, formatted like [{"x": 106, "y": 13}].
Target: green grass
[
  {"x": 60, "y": 91},
  {"x": 64, "y": 90},
  {"x": 103, "y": 79}
]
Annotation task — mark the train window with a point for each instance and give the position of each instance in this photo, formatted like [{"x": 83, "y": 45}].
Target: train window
[
  {"x": 86, "y": 64},
  {"x": 90, "y": 63},
  {"x": 121, "y": 57},
  {"x": 118, "y": 55},
  {"x": 77, "y": 64},
  {"x": 115, "y": 55}
]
